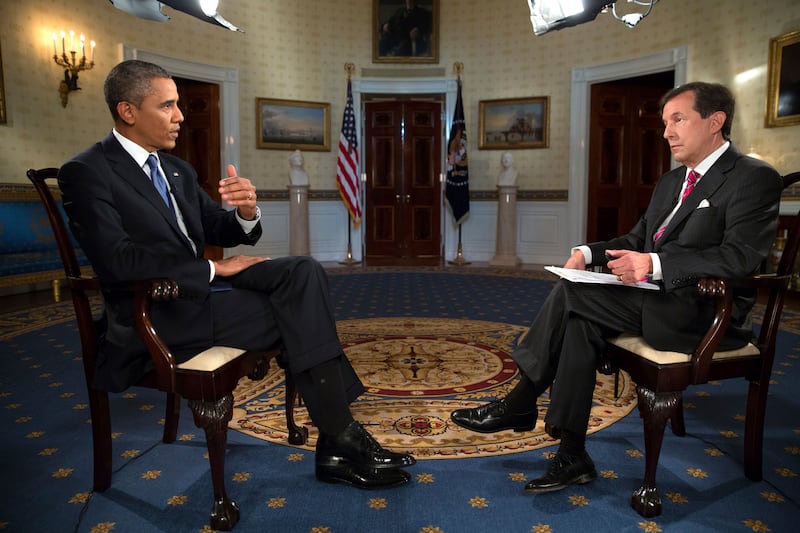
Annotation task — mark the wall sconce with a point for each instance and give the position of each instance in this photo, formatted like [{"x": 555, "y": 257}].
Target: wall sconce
[{"x": 71, "y": 63}]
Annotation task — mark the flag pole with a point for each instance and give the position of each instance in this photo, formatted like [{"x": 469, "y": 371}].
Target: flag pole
[
  {"x": 348, "y": 259},
  {"x": 459, "y": 260},
  {"x": 349, "y": 68}
]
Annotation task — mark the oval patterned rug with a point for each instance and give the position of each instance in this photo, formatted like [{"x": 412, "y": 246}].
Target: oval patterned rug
[{"x": 416, "y": 371}]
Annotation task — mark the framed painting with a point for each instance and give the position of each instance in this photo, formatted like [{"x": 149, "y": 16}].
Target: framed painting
[
  {"x": 514, "y": 123},
  {"x": 2, "y": 92},
  {"x": 783, "y": 87},
  {"x": 405, "y": 31},
  {"x": 293, "y": 125}
]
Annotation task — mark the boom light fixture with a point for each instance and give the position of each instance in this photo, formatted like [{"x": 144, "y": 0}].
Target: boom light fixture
[
  {"x": 205, "y": 10},
  {"x": 549, "y": 15}
]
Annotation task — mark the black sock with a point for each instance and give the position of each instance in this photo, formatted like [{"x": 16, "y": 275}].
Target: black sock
[
  {"x": 522, "y": 398},
  {"x": 572, "y": 443},
  {"x": 325, "y": 397}
]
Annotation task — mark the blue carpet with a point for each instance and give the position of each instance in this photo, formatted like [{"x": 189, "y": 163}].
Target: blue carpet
[{"x": 45, "y": 453}]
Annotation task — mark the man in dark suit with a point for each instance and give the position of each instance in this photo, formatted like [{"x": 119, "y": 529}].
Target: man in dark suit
[
  {"x": 715, "y": 216},
  {"x": 131, "y": 230}
]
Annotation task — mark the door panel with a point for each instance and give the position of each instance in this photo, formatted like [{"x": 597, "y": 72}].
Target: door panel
[
  {"x": 402, "y": 162},
  {"x": 199, "y": 138},
  {"x": 627, "y": 153}
]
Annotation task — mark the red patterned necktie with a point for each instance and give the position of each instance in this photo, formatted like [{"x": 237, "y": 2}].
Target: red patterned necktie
[{"x": 691, "y": 181}]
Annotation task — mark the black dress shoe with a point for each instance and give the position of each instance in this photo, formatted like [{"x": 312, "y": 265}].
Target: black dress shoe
[
  {"x": 355, "y": 446},
  {"x": 362, "y": 477},
  {"x": 563, "y": 471},
  {"x": 494, "y": 416}
]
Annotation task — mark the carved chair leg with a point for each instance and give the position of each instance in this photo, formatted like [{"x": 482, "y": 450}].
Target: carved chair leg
[
  {"x": 171, "y": 417},
  {"x": 754, "y": 430},
  {"x": 101, "y": 439},
  {"x": 676, "y": 420},
  {"x": 213, "y": 417},
  {"x": 655, "y": 409},
  {"x": 297, "y": 435}
]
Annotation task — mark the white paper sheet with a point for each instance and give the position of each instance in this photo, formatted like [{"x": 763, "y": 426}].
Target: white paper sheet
[{"x": 587, "y": 276}]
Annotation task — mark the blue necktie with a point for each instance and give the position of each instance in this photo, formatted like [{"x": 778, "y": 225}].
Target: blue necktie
[{"x": 159, "y": 181}]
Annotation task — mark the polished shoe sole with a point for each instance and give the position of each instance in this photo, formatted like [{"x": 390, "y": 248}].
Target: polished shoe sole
[
  {"x": 515, "y": 429},
  {"x": 338, "y": 460},
  {"x": 383, "y": 478},
  {"x": 580, "y": 480}
]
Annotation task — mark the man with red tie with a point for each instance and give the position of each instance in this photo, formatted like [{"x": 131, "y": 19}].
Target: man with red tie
[{"x": 714, "y": 216}]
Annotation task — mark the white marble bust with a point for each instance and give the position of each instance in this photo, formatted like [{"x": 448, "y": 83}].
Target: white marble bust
[
  {"x": 297, "y": 174},
  {"x": 507, "y": 176}
]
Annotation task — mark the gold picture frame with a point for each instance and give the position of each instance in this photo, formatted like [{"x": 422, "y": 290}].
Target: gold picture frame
[
  {"x": 783, "y": 85},
  {"x": 293, "y": 125},
  {"x": 3, "y": 118},
  {"x": 514, "y": 123},
  {"x": 392, "y": 41}
]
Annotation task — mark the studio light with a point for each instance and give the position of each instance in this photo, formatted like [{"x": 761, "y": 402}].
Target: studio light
[
  {"x": 205, "y": 10},
  {"x": 549, "y": 15}
]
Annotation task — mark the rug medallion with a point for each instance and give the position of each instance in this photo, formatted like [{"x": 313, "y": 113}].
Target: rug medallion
[{"x": 416, "y": 371}]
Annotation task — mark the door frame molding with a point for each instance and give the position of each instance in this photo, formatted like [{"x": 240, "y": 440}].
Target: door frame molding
[
  {"x": 228, "y": 80},
  {"x": 582, "y": 78},
  {"x": 403, "y": 86}
]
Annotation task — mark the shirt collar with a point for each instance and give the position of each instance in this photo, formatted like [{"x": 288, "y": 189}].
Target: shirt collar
[
  {"x": 138, "y": 153},
  {"x": 706, "y": 163}
]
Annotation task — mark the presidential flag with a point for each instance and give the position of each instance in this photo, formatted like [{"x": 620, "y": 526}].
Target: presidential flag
[
  {"x": 347, "y": 174},
  {"x": 457, "y": 183}
]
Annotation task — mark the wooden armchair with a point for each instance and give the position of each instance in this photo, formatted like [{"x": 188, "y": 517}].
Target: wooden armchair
[
  {"x": 207, "y": 380},
  {"x": 661, "y": 377}
]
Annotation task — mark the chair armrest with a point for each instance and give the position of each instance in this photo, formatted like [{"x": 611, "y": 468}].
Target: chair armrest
[
  {"x": 144, "y": 292},
  {"x": 764, "y": 281},
  {"x": 722, "y": 291},
  {"x": 163, "y": 360},
  {"x": 719, "y": 290}
]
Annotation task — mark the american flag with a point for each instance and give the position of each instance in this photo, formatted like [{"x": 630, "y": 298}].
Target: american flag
[{"x": 347, "y": 173}]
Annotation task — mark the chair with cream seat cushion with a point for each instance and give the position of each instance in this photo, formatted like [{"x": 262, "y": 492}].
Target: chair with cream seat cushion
[
  {"x": 661, "y": 376},
  {"x": 206, "y": 380}
]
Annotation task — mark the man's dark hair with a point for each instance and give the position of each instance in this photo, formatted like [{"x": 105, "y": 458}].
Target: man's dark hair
[
  {"x": 708, "y": 98},
  {"x": 130, "y": 81}
]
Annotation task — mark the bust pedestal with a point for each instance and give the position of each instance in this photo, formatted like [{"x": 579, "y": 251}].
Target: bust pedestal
[
  {"x": 506, "y": 245},
  {"x": 298, "y": 220}
]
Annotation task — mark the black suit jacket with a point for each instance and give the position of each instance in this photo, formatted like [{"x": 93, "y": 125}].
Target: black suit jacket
[
  {"x": 724, "y": 228},
  {"x": 127, "y": 232}
]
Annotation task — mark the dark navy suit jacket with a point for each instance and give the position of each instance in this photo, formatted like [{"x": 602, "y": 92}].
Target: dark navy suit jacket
[
  {"x": 724, "y": 228},
  {"x": 128, "y": 233}
]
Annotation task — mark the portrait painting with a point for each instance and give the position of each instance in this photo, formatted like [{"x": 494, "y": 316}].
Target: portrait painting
[
  {"x": 783, "y": 90},
  {"x": 2, "y": 92},
  {"x": 405, "y": 31}
]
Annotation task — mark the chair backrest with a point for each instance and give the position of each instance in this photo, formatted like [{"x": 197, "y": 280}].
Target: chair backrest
[
  {"x": 80, "y": 286},
  {"x": 66, "y": 249},
  {"x": 776, "y": 292}
]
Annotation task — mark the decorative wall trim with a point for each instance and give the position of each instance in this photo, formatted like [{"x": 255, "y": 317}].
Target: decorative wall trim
[
  {"x": 476, "y": 196},
  {"x": 582, "y": 78},
  {"x": 228, "y": 80}
]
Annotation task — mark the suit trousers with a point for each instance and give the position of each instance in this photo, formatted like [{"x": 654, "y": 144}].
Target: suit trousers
[
  {"x": 286, "y": 302},
  {"x": 565, "y": 340}
]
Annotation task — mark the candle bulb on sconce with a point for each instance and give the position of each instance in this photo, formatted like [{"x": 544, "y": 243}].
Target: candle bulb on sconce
[{"x": 71, "y": 63}]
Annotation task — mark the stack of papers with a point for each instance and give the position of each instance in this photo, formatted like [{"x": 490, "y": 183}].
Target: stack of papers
[{"x": 587, "y": 276}]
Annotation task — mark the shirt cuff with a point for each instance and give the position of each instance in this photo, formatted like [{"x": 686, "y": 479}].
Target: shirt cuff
[
  {"x": 248, "y": 225},
  {"x": 586, "y": 251},
  {"x": 657, "y": 274},
  {"x": 212, "y": 270}
]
